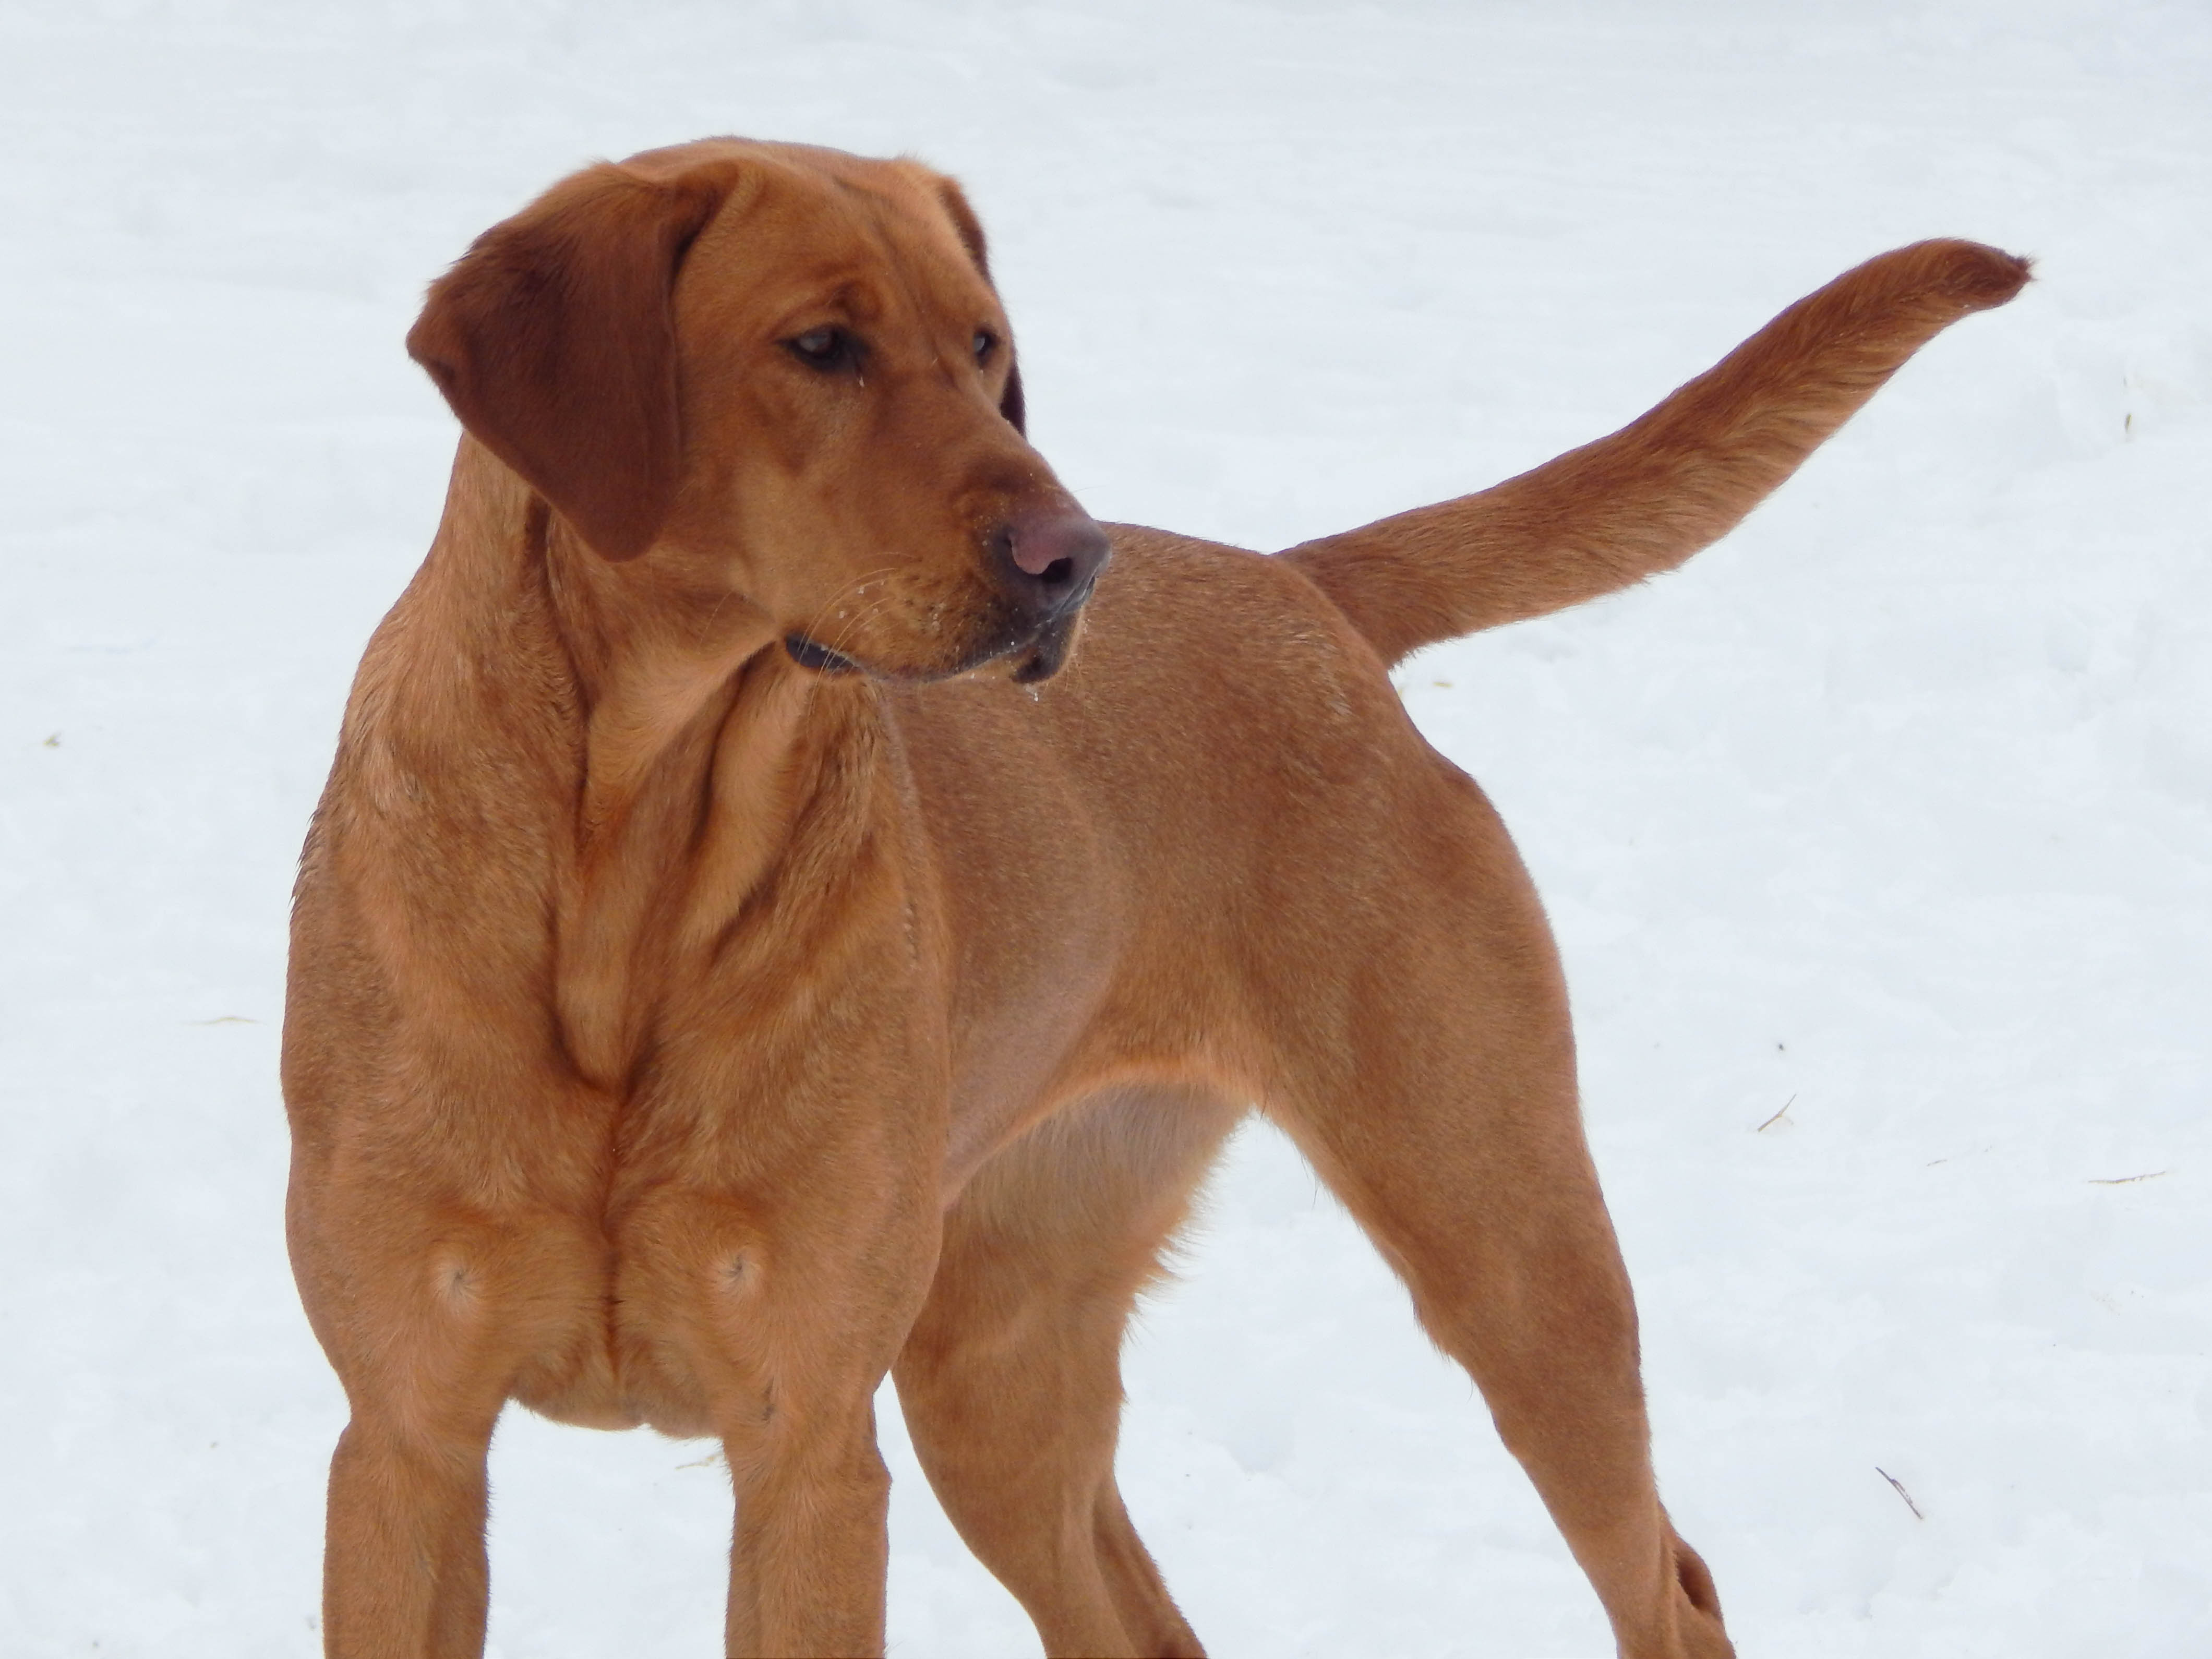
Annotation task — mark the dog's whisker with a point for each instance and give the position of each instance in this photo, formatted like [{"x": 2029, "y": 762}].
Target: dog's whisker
[{"x": 851, "y": 590}]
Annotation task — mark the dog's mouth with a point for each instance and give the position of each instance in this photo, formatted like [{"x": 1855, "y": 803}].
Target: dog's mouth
[
  {"x": 812, "y": 653},
  {"x": 1037, "y": 653},
  {"x": 1044, "y": 656}
]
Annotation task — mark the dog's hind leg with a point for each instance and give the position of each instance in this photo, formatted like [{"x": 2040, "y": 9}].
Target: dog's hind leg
[
  {"x": 1010, "y": 1379},
  {"x": 1434, "y": 1091}
]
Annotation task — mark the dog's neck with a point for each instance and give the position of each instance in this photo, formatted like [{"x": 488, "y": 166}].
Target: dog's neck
[
  {"x": 654, "y": 652},
  {"x": 703, "y": 759}
]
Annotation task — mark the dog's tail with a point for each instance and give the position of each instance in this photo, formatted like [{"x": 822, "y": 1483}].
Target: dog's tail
[{"x": 1675, "y": 480}]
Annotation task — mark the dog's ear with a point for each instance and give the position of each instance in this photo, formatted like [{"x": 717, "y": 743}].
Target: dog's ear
[
  {"x": 554, "y": 340},
  {"x": 971, "y": 238}
]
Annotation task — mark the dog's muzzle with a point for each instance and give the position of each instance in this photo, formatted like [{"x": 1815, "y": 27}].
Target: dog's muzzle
[
  {"x": 1049, "y": 560},
  {"x": 1045, "y": 564},
  {"x": 1044, "y": 656}
]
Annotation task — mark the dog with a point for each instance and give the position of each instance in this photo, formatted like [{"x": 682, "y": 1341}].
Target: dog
[{"x": 797, "y": 900}]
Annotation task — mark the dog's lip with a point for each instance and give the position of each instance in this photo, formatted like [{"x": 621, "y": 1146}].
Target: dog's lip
[
  {"x": 1042, "y": 650},
  {"x": 1049, "y": 648},
  {"x": 812, "y": 654}
]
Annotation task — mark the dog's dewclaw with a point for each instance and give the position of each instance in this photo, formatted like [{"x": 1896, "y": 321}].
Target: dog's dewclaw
[{"x": 1643, "y": 500}]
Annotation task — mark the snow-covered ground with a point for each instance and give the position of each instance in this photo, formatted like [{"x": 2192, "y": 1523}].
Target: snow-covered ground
[{"x": 1895, "y": 809}]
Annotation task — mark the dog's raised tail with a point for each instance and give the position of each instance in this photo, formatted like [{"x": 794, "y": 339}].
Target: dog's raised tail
[{"x": 1675, "y": 480}]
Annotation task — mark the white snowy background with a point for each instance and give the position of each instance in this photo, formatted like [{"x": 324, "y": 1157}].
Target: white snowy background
[{"x": 1895, "y": 808}]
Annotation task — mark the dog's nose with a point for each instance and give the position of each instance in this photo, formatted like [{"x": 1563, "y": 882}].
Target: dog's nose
[{"x": 1049, "y": 559}]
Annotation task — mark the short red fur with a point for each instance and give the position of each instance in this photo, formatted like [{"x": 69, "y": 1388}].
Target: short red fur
[{"x": 749, "y": 945}]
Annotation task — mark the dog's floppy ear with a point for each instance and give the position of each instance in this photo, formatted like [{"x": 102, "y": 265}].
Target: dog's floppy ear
[
  {"x": 554, "y": 340},
  {"x": 971, "y": 238}
]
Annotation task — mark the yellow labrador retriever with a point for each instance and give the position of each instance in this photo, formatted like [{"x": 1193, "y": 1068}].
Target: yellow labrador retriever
[{"x": 749, "y": 944}]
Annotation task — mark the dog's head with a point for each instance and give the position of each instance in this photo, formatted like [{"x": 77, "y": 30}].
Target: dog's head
[{"x": 788, "y": 367}]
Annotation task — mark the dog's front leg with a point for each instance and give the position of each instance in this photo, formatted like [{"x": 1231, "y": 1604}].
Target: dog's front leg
[
  {"x": 798, "y": 1330},
  {"x": 810, "y": 1550},
  {"x": 404, "y": 1571},
  {"x": 430, "y": 1307},
  {"x": 780, "y": 1302}
]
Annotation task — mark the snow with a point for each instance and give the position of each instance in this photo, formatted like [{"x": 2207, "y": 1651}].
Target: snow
[{"x": 1895, "y": 808}]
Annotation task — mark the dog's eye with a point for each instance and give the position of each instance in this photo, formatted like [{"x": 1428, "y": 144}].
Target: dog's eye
[
  {"x": 823, "y": 348},
  {"x": 984, "y": 344}
]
